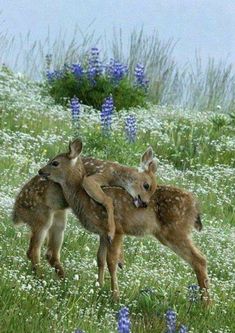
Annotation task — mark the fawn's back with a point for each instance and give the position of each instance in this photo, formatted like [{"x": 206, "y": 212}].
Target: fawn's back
[{"x": 37, "y": 197}]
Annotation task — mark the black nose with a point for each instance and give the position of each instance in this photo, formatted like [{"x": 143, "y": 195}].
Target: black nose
[
  {"x": 43, "y": 174},
  {"x": 141, "y": 202}
]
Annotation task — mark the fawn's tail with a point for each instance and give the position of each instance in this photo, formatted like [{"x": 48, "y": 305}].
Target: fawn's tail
[{"x": 198, "y": 223}]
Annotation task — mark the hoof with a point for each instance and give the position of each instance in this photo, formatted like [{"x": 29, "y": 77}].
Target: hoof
[
  {"x": 29, "y": 255},
  {"x": 60, "y": 273},
  {"x": 116, "y": 296},
  {"x": 120, "y": 265},
  {"x": 48, "y": 256},
  {"x": 207, "y": 301}
]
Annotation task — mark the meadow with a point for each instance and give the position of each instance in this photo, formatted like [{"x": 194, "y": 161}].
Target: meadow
[{"x": 195, "y": 151}]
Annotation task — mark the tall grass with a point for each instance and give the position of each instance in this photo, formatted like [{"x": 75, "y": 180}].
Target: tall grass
[
  {"x": 26, "y": 55},
  {"x": 156, "y": 55},
  {"x": 197, "y": 85},
  {"x": 207, "y": 86}
]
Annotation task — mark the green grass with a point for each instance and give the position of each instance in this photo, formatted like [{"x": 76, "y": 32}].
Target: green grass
[{"x": 193, "y": 152}]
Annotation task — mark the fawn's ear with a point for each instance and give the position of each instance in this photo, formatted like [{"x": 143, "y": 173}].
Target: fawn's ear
[
  {"x": 153, "y": 166},
  {"x": 75, "y": 148},
  {"x": 146, "y": 159}
]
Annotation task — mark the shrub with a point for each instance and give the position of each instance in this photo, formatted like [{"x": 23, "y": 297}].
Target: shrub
[{"x": 92, "y": 82}]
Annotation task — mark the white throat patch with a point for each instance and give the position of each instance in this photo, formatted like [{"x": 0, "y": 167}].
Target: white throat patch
[{"x": 74, "y": 161}]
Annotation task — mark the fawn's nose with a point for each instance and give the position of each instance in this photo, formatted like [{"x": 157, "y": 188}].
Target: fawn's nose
[
  {"x": 40, "y": 172},
  {"x": 43, "y": 174},
  {"x": 142, "y": 203}
]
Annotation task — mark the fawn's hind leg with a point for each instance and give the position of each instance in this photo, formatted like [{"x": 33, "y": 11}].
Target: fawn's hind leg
[
  {"x": 113, "y": 255},
  {"x": 190, "y": 253},
  {"x": 92, "y": 185},
  {"x": 101, "y": 259},
  {"x": 55, "y": 241},
  {"x": 39, "y": 231},
  {"x": 121, "y": 257}
]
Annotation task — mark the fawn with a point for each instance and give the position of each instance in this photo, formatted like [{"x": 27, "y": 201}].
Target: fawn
[
  {"x": 37, "y": 203},
  {"x": 170, "y": 217},
  {"x": 139, "y": 184}
]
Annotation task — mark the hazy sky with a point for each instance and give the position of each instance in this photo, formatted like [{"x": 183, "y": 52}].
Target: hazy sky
[{"x": 205, "y": 25}]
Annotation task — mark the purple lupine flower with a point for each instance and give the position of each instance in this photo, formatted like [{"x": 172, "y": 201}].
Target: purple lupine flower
[
  {"x": 75, "y": 109},
  {"x": 54, "y": 75},
  {"x": 79, "y": 331},
  {"x": 94, "y": 64},
  {"x": 193, "y": 293},
  {"x": 106, "y": 114},
  {"x": 116, "y": 71},
  {"x": 170, "y": 321},
  {"x": 124, "y": 325},
  {"x": 183, "y": 329},
  {"x": 140, "y": 79},
  {"x": 77, "y": 70},
  {"x": 131, "y": 128}
]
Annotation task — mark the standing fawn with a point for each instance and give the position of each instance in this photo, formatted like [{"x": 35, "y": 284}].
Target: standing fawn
[
  {"x": 170, "y": 217},
  {"x": 41, "y": 204}
]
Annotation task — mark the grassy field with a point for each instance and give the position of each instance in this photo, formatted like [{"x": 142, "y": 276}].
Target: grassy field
[{"x": 195, "y": 151}]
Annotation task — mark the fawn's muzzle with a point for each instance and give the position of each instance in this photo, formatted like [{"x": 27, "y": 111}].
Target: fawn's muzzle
[
  {"x": 139, "y": 203},
  {"x": 43, "y": 174}
]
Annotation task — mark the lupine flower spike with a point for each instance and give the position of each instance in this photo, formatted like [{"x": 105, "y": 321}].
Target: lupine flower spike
[
  {"x": 94, "y": 66},
  {"x": 183, "y": 329},
  {"x": 116, "y": 71},
  {"x": 79, "y": 331},
  {"x": 54, "y": 75},
  {"x": 140, "y": 78},
  {"x": 170, "y": 321},
  {"x": 106, "y": 114},
  {"x": 75, "y": 108},
  {"x": 77, "y": 70},
  {"x": 193, "y": 293},
  {"x": 131, "y": 128},
  {"x": 75, "y": 114},
  {"x": 124, "y": 325}
]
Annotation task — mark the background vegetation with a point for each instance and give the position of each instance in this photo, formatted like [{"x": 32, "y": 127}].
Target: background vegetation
[{"x": 198, "y": 85}]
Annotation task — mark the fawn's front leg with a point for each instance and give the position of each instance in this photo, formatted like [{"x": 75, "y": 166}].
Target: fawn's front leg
[
  {"x": 102, "y": 258},
  {"x": 92, "y": 185},
  {"x": 55, "y": 241}
]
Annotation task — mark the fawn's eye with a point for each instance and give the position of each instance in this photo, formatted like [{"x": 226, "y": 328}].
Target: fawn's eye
[
  {"x": 146, "y": 186},
  {"x": 55, "y": 163}
]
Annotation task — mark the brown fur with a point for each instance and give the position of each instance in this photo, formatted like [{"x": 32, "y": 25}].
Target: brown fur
[{"x": 169, "y": 217}]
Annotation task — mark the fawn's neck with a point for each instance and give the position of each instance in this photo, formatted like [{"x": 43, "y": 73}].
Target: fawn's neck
[{"x": 80, "y": 202}]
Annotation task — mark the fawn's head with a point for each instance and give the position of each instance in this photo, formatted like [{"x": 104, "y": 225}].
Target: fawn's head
[
  {"x": 66, "y": 165},
  {"x": 143, "y": 182}
]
